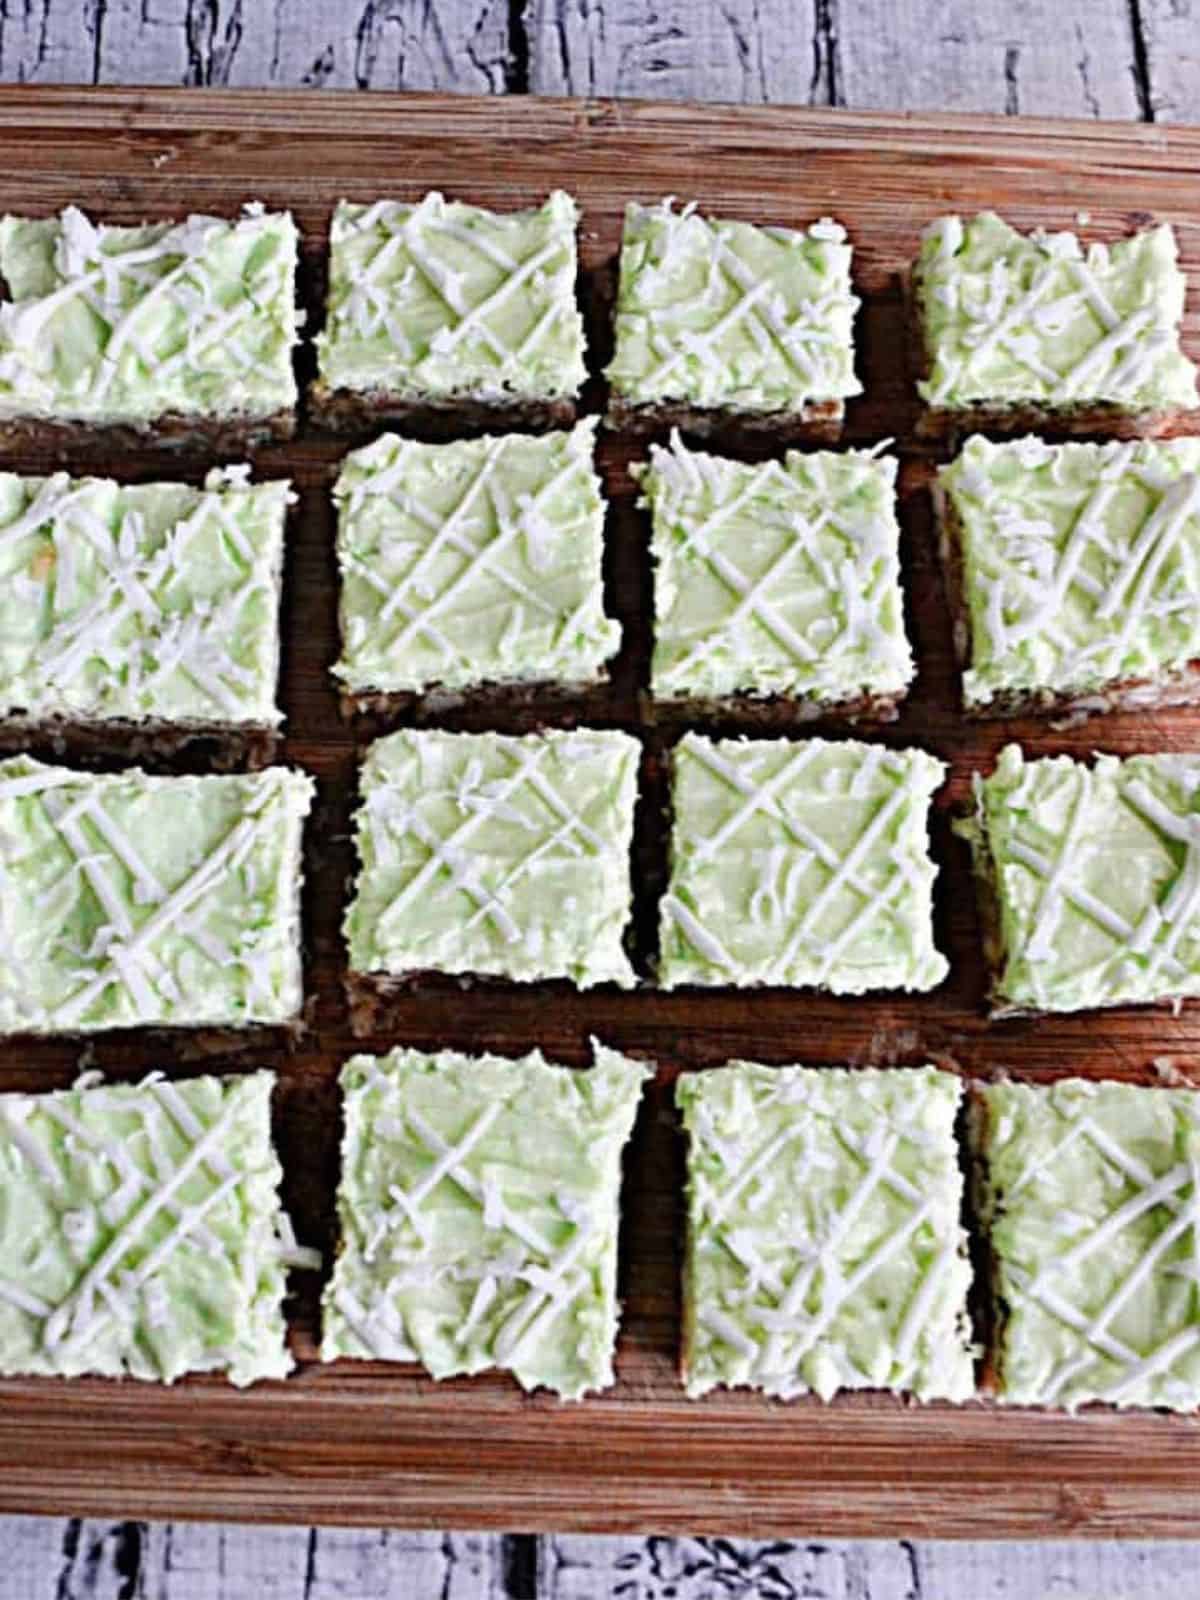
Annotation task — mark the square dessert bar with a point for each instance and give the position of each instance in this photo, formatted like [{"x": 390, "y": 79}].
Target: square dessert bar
[
  {"x": 141, "y": 1232},
  {"x": 479, "y": 1208},
  {"x": 1088, "y": 1197},
  {"x": 1088, "y": 880},
  {"x": 471, "y": 563},
  {"x": 446, "y": 310},
  {"x": 130, "y": 900},
  {"x": 722, "y": 323},
  {"x": 493, "y": 854},
  {"x": 1020, "y": 330},
  {"x": 150, "y": 612},
  {"x": 172, "y": 331},
  {"x": 1071, "y": 573},
  {"x": 824, "y": 1247},
  {"x": 800, "y": 864},
  {"x": 779, "y": 578}
]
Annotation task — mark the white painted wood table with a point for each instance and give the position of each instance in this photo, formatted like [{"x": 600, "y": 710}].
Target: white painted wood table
[{"x": 1135, "y": 59}]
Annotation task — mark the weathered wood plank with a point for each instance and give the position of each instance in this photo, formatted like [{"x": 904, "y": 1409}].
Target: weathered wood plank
[
  {"x": 696, "y": 1569},
  {"x": 739, "y": 50},
  {"x": 1171, "y": 45},
  {"x": 1075, "y": 59},
  {"x": 93, "y": 1560},
  {"x": 371, "y": 44}
]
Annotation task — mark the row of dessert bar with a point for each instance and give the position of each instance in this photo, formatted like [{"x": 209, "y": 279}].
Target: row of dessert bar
[
  {"x": 1071, "y": 575},
  {"x": 479, "y": 1212},
  {"x": 447, "y": 307},
  {"x": 128, "y": 899}
]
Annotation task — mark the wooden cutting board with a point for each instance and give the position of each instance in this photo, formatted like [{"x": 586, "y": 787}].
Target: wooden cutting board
[{"x": 372, "y": 1444}]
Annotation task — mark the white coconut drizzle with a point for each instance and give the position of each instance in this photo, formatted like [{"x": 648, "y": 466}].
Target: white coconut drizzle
[
  {"x": 422, "y": 835},
  {"x": 150, "y": 929},
  {"x": 773, "y": 333},
  {"x": 495, "y": 287},
  {"x": 778, "y": 1306},
  {"x": 1083, "y": 564},
  {"x": 827, "y": 558},
  {"x": 1086, "y": 1359},
  {"x": 127, "y": 639},
  {"x": 528, "y": 1263},
  {"x": 761, "y": 894},
  {"x": 1042, "y": 301},
  {"x": 119, "y": 1194},
  {"x": 177, "y": 315},
  {"x": 453, "y": 590}
]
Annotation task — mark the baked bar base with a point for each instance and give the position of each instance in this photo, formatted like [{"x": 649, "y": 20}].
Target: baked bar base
[
  {"x": 232, "y": 436},
  {"x": 817, "y": 423},
  {"x": 1179, "y": 686},
  {"x": 210, "y": 746},
  {"x": 946, "y": 424},
  {"x": 428, "y": 705},
  {"x": 352, "y": 411},
  {"x": 991, "y": 1309},
  {"x": 767, "y": 713}
]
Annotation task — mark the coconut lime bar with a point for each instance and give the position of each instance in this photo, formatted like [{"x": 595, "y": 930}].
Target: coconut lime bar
[
  {"x": 1089, "y": 1202},
  {"x": 142, "y": 1233},
  {"x": 779, "y": 578},
  {"x": 131, "y": 900},
  {"x": 471, "y": 563},
  {"x": 152, "y": 610},
  {"x": 824, "y": 1248},
  {"x": 479, "y": 1209},
  {"x": 1019, "y": 330},
  {"x": 170, "y": 329},
  {"x": 494, "y": 854},
  {"x": 1071, "y": 571},
  {"x": 445, "y": 309},
  {"x": 1089, "y": 880},
  {"x": 722, "y": 322},
  {"x": 800, "y": 864}
]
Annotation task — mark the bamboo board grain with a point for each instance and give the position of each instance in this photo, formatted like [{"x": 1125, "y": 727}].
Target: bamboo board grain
[{"x": 364, "y": 1443}]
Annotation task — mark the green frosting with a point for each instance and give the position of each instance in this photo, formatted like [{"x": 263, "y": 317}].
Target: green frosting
[
  {"x": 153, "y": 601},
  {"x": 472, "y": 562},
  {"x": 724, "y": 314},
  {"x": 479, "y": 1206},
  {"x": 800, "y": 864},
  {"x": 141, "y": 1232},
  {"x": 1079, "y": 563},
  {"x": 488, "y": 853},
  {"x": 129, "y": 900},
  {"x": 126, "y": 325},
  {"x": 1010, "y": 317},
  {"x": 443, "y": 299},
  {"x": 1095, "y": 871},
  {"x": 1090, "y": 1203},
  {"x": 775, "y": 577},
  {"x": 824, "y": 1245}
]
